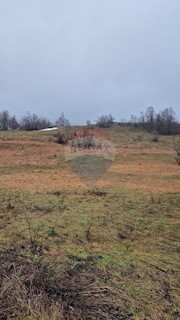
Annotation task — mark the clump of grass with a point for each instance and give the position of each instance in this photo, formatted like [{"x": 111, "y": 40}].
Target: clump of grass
[
  {"x": 31, "y": 289},
  {"x": 61, "y": 138},
  {"x": 26, "y": 287},
  {"x": 177, "y": 149},
  {"x": 96, "y": 192},
  {"x": 155, "y": 136}
]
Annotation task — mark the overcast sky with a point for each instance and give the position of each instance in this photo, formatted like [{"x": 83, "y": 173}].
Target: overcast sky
[{"x": 89, "y": 57}]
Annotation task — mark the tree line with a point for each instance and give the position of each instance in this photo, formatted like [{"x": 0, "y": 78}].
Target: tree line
[
  {"x": 163, "y": 122},
  {"x": 29, "y": 122}
]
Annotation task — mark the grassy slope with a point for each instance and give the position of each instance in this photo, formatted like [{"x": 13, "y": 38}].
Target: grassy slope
[{"x": 118, "y": 238}]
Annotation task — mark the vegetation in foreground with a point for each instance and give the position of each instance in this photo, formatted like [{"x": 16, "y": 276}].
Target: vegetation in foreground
[
  {"x": 115, "y": 259},
  {"x": 104, "y": 252}
]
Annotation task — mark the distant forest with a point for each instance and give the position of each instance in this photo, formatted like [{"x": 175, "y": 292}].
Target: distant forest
[{"x": 163, "y": 122}]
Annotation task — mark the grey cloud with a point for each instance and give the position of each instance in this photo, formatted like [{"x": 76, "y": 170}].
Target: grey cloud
[{"x": 89, "y": 57}]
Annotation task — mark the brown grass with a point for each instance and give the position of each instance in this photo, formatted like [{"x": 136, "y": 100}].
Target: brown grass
[
  {"x": 33, "y": 163},
  {"x": 30, "y": 288},
  {"x": 80, "y": 247}
]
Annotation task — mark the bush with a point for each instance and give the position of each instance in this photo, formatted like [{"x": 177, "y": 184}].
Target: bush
[
  {"x": 61, "y": 138},
  {"x": 105, "y": 121},
  {"x": 177, "y": 149},
  {"x": 155, "y": 136}
]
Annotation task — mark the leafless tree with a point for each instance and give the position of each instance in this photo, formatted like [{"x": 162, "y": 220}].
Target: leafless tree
[
  {"x": 33, "y": 122},
  {"x": 13, "y": 123},
  {"x": 163, "y": 122},
  {"x": 62, "y": 121},
  {"x": 105, "y": 121},
  {"x": 4, "y": 120}
]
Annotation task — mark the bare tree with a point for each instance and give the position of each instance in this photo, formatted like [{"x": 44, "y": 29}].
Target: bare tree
[
  {"x": 163, "y": 122},
  {"x": 4, "y": 120},
  {"x": 33, "y": 122},
  {"x": 13, "y": 123},
  {"x": 62, "y": 121},
  {"x": 168, "y": 119},
  {"x": 150, "y": 116},
  {"x": 105, "y": 121},
  {"x": 133, "y": 119}
]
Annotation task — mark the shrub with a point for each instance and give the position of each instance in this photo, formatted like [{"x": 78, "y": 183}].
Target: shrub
[
  {"x": 105, "y": 121},
  {"x": 177, "y": 149},
  {"x": 155, "y": 136},
  {"x": 61, "y": 137}
]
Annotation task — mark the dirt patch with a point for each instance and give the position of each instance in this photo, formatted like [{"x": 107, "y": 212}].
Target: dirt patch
[{"x": 95, "y": 132}]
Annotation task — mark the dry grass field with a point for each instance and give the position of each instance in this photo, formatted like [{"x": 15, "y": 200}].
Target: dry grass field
[{"x": 81, "y": 242}]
